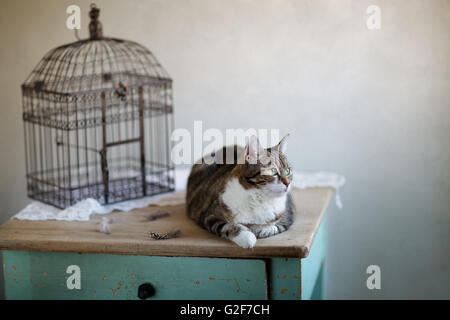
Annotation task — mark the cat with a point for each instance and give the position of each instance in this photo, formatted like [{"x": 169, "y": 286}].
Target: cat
[{"x": 243, "y": 199}]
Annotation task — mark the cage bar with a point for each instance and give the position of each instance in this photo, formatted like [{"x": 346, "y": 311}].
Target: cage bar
[{"x": 97, "y": 118}]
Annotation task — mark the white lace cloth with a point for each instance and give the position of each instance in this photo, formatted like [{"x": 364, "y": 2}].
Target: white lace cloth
[{"x": 82, "y": 210}]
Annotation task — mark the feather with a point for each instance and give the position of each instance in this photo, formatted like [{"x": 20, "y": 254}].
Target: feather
[
  {"x": 104, "y": 226},
  {"x": 165, "y": 236},
  {"x": 157, "y": 215}
]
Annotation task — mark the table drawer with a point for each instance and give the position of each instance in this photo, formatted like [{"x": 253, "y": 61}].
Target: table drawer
[{"x": 44, "y": 275}]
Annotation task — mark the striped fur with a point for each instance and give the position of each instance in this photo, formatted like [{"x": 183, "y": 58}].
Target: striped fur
[{"x": 242, "y": 201}]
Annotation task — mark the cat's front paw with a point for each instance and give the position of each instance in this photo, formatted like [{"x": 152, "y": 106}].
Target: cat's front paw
[{"x": 245, "y": 239}]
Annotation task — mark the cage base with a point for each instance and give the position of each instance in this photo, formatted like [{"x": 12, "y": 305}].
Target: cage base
[{"x": 122, "y": 189}]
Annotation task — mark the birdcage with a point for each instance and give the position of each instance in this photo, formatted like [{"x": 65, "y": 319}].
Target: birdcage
[{"x": 97, "y": 118}]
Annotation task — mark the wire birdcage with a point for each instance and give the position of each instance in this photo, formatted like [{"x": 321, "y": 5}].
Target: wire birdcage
[{"x": 97, "y": 115}]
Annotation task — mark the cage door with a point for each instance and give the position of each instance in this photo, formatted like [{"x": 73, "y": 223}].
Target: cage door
[{"x": 123, "y": 155}]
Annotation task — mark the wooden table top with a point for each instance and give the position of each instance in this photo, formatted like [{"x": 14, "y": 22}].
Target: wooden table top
[{"x": 129, "y": 233}]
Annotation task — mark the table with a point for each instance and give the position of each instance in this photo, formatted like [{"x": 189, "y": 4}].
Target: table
[{"x": 73, "y": 260}]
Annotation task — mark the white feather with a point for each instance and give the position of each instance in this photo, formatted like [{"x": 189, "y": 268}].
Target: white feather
[{"x": 105, "y": 225}]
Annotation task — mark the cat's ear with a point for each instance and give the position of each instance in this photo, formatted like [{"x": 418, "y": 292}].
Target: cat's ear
[
  {"x": 282, "y": 145},
  {"x": 252, "y": 150}
]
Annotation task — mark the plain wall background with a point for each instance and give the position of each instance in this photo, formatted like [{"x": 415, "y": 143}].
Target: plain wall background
[{"x": 372, "y": 105}]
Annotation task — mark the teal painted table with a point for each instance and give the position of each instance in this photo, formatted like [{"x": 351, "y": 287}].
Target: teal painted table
[{"x": 72, "y": 260}]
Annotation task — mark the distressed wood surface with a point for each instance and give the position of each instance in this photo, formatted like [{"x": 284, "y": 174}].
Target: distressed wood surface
[
  {"x": 129, "y": 233},
  {"x": 42, "y": 275},
  {"x": 313, "y": 267},
  {"x": 285, "y": 279}
]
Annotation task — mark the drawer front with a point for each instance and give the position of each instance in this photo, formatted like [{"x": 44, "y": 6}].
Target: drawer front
[{"x": 44, "y": 275}]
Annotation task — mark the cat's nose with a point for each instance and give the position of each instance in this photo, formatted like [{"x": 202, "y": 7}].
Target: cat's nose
[{"x": 285, "y": 181}]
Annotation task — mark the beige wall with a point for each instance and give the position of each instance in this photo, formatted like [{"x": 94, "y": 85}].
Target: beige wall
[{"x": 372, "y": 105}]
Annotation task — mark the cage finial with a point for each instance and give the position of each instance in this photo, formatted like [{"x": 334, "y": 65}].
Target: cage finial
[{"x": 95, "y": 26}]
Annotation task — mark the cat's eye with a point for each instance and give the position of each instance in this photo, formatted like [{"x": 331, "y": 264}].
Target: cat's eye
[
  {"x": 274, "y": 171},
  {"x": 288, "y": 171}
]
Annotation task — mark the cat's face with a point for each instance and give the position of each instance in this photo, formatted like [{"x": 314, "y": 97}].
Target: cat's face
[{"x": 266, "y": 169}]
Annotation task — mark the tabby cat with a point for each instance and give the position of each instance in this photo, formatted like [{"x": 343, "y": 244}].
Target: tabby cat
[{"x": 244, "y": 200}]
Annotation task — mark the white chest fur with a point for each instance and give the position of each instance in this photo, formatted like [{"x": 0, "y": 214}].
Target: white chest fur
[{"x": 252, "y": 206}]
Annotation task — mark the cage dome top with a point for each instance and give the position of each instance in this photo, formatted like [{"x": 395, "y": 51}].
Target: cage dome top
[{"x": 95, "y": 64}]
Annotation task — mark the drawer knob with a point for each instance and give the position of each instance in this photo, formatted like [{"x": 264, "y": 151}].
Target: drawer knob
[{"x": 146, "y": 290}]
